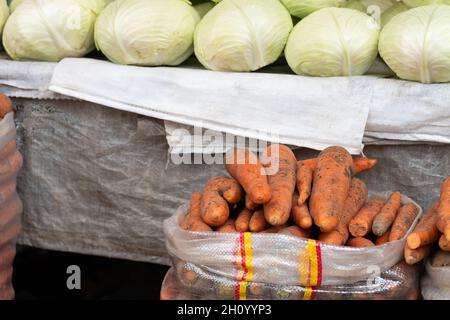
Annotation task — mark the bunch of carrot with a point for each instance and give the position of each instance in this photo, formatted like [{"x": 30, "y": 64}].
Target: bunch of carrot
[
  {"x": 315, "y": 198},
  {"x": 434, "y": 227}
]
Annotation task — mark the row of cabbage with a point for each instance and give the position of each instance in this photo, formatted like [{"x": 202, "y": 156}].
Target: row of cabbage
[{"x": 317, "y": 37}]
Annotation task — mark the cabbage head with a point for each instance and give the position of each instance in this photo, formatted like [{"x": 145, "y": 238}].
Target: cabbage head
[
  {"x": 4, "y": 13},
  {"x": 415, "y": 44},
  {"x": 392, "y": 12},
  {"x": 50, "y": 30},
  {"x": 301, "y": 8},
  {"x": 242, "y": 35},
  {"x": 333, "y": 42},
  {"x": 147, "y": 32},
  {"x": 419, "y": 3}
]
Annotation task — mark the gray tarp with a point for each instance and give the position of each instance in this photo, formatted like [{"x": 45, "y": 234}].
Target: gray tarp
[{"x": 98, "y": 181}]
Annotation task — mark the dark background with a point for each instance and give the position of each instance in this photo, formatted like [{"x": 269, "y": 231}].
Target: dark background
[{"x": 41, "y": 274}]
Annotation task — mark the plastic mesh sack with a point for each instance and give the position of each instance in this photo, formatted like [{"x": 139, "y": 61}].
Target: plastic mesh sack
[
  {"x": 436, "y": 283},
  {"x": 187, "y": 282},
  {"x": 10, "y": 203},
  {"x": 280, "y": 259}
]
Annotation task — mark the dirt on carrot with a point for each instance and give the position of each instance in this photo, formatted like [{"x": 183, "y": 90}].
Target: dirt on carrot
[
  {"x": 426, "y": 231},
  {"x": 360, "y": 243},
  {"x": 282, "y": 183},
  {"x": 244, "y": 166},
  {"x": 217, "y": 194},
  {"x": 300, "y": 214},
  {"x": 332, "y": 180},
  {"x": 383, "y": 239},
  {"x": 361, "y": 224},
  {"x": 403, "y": 222},
  {"x": 257, "y": 222},
  {"x": 192, "y": 220},
  {"x": 304, "y": 183},
  {"x": 242, "y": 223},
  {"x": 413, "y": 256},
  {"x": 384, "y": 220}
]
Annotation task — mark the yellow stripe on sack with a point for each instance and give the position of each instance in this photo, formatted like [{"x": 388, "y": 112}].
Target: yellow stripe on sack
[
  {"x": 243, "y": 290},
  {"x": 248, "y": 255},
  {"x": 303, "y": 267},
  {"x": 314, "y": 267},
  {"x": 308, "y": 293}
]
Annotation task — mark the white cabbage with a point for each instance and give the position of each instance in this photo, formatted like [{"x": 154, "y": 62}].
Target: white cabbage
[
  {"x": 242, "y": 35},
  {"x": 392, "y": 12},
  {"x": 147, "y": 32},
  {"x": 416, "y": 44},
  {"x": 301, "y": 8},
  {"x": 4, "y": 13},
  {"x": 13, "y": 4},
  {"x": 333, "y": 42},
  {"x": 418, "y": 3},
  {"x": 50, "y": 30}
]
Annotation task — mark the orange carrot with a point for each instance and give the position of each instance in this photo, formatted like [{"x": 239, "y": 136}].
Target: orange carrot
[
  {"x": 5, "y": 105},
  {"x": 8, "y": 149},
  {"x": 10, "y": 165},
  {"x": 416, "y": 255},
  {"x": 249, "y": 204},
  {"x": 216, "y": 194},
  {"x": 243, "y": 220},
  {"x": 360, "y": 164},
  {"x": 189, "y": 276},
  {"x": 363, "y": 164},
  {"x": 383, "y": 239},
  {"x": 282, "y": 183},
  {"x": 444, "y": 244},
  {"x": 332, "y": 180},
  {"x": 361, "y": 224},
  {"x": 244, "y": 166},
  {"x": 228, "y": 227},
  {"x": 193, "y": 220},
  {"x": 257, "y": 222},
  {"x": 357, "y": 196},
  {"x": 404, "y": 220},
  {"x": 360, "y": 243},
  {"x": 304, "y": 182},
  {"x": 444, "y": 209},
  {"x": 296, "y": 231},
  {"x": 426, "y": 231},
  {"x": 300, "y": 214},
  {"x": 386, "y": 217}
]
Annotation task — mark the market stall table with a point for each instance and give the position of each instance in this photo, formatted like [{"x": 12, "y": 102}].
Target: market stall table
[{"x": 100, "y": 181}]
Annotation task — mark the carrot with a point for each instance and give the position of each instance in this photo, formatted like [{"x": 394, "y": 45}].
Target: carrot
[
  {"x": 228, "y": 227},
  {"x": 257, "y": 222},
  {"x": 404, "y": 220},
  {"x": 413, "y": 256},
  {"x": 332, "y": 180},
  {"x": 360, "y": 243},
  {"x": 363, "y": 164},
  {"x": 300, "y": 214},
  {"x": 11, "y": 165},
  {"x": 244, "y": 166},
  {"x": 10, "y": 211},
  {"x": 5, "y": 105},
  {"x": 189, "y": 276},
  {"x": 282, "y": 183},
  {"x": 360, "y": 164},
  {"x": 8, "y": 149},
  {"x": 357, "y": 196},
  {"x": 216, "y": 194},
  {"x": 444, "y": 244},
  {"x": 304, "y": 182},
  {"x": 426, "y": 231},
  {"x": 383, "y": 239},
  {"x": 193, "y": 221},
  {"x": 7, "y": 190},
  {"x": 243, "y": 220},
  {"x": 296, "y": 231},
  {"x": 249, "y": 204},
  {"x": 444, "y": 209},
  {"x": 386, "y": 217},
  {"x": 361, "y": 224}
]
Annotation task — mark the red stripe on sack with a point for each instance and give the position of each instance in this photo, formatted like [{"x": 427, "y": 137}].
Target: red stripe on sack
[
  {"x": 313, "y": 293},
  {"x": 319, "y": 263},
  {"x": 244, "y": 261}
]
